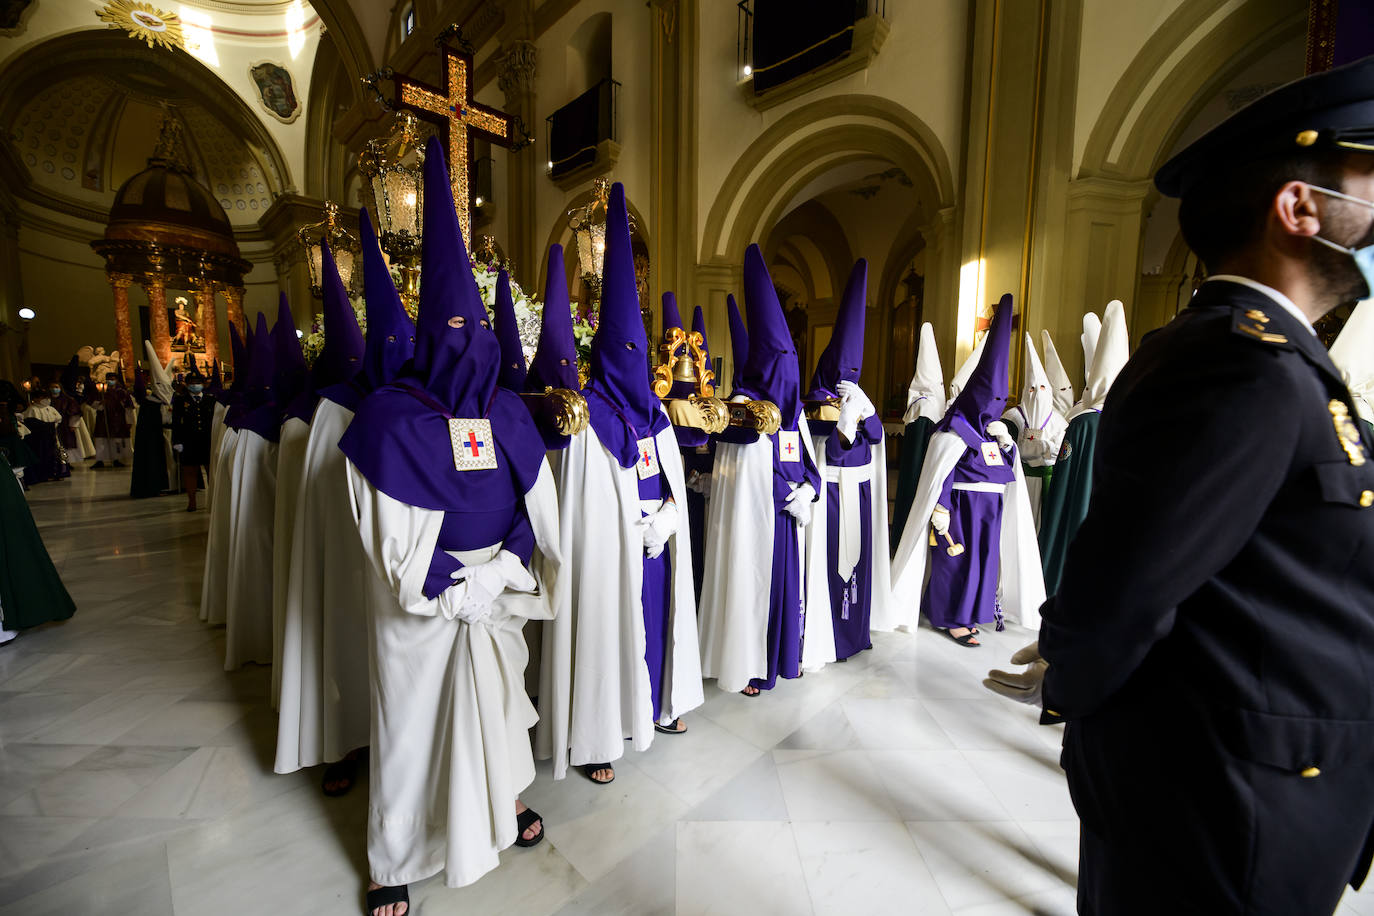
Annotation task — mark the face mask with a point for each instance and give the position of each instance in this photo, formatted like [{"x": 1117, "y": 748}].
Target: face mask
[
  {"x": 195, "y": 389},
  {"x": 1364, "y": 257},
  {"x": 54, "y": 391}
]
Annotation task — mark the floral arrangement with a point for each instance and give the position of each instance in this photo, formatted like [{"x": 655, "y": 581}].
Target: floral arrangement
[{"x": 529, "y": 318}]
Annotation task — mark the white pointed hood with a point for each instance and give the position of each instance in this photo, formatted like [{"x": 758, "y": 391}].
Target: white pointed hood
[
  {"x": 965, "y": 370},
  {"x": 1060, "y": 382},
  {"x": 1109, "y": 355},
  {"x": 160, "y": 377},
  {"x": 925, "y": 396},
  {"x": 1037, "y": 397},
  {"x": 1353, "y": 354},
  {"x": 1092, "y": 330}
]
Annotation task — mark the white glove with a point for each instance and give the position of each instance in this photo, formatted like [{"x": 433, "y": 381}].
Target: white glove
[
  {"x": 939, "y": 520},
  {"x": 999, "y": 432},
  {"x": 486, "y": 581},
  {"x": 798, "y": 504},
  {"x": 700, "y": 483},
  {"x": 1023, "y": 687},
  {"x": 178, "y": 448},
  {"x": 849, "y": 391},
  {"x": 657, "y": 528}
]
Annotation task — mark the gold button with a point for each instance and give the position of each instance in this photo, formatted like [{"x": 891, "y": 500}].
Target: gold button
[
  {"x": 1367, "y": 498},
  {"x": 1307, "y": 138},
  {"x": 1311, "y": 773},
  {"x": 1053, "y": 713}
]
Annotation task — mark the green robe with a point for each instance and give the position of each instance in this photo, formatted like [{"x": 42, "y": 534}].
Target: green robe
[
  {"x": 30, "y": 590},
  {"x": 914, "y": 442},
  {"x": 1064, "y": 505}
]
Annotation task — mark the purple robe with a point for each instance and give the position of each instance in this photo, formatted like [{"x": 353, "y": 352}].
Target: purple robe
[{"x": 851, "y": 601}]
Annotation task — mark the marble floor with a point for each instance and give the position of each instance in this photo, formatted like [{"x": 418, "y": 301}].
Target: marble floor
[{"x": 135, "y": 775}]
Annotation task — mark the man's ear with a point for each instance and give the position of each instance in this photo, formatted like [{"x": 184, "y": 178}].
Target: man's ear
[{"x": 1295, "y": 208}]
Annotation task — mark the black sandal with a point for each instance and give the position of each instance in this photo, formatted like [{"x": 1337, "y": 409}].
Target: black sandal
[
  {"x": 967, "y": 640},
  {"x": 524, "y": 821},
  {"x": 672, "y": 727},
  {"x": 589, "y": 768},
  {"x": 385, "y": 896},
  {"x": 344, "y": 771},
  {"x": 757, "y": 692}
]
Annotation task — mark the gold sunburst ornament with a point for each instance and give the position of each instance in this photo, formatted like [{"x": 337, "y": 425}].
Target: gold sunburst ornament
[{"x": 144, "y": 22}]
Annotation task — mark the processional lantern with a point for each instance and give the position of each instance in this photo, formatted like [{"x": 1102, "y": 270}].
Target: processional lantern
[
  {"x": 588, "y": 226},
  {"x": 394, "y": 168},
  {"x": 343, "y": 245}
]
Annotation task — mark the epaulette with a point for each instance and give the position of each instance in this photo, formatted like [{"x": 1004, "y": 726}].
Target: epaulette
[{"x": 1251, "y": 322}]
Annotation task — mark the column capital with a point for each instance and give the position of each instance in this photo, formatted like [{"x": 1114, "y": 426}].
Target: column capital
[
  {"x": 518, "y": 66},
  {"x": 154, "y": 281},
  {"x": 667, "y": 16},
  {"x": 118, "y": 280}
]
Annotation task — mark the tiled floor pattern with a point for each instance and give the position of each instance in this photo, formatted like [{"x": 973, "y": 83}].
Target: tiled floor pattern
[{"x": 135, "y": 775}]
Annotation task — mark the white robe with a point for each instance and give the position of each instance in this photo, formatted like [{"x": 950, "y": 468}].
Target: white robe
[
  {"x": 738, "y": 575},
  {"x": 248, "y": 597},
  {"x": 290, "y": 470},
  {"x": 217, "y": 431},
  {"x": 325, "y": 709},
  {"x": 1021, "y": 584},
  {"x": 884, "y": 614},
  {"x": 214, "y": 587},
  {"x": 85, "y": 446},
  {"x": 451, "y": 719},
  {"x": 594, "y": 688}
]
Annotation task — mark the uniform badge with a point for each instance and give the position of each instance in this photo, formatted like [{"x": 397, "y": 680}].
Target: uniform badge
[
  {"x": 1065, "y": 450},
  {"x": 1347, "y": 432},
  {"x": 789, "y": 446},
  {"x": 647, "y": 464},
  {"x": 474, "y": 447},
  {"x": 992, "y": 455}
]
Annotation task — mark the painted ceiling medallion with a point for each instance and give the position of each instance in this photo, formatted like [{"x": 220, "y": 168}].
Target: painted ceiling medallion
[{"x": 144, "y": 22}]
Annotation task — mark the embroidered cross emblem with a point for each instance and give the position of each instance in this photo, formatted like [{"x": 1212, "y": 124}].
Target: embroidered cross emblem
[
  {"x": 648, "y": 459},
  {"x": 789, "y": 448},
  {"x": 475, "y": 445}
]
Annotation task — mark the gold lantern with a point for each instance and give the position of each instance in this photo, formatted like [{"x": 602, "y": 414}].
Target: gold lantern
[
  {"x": 394, "y": 169},
  {"x": 343, "y": 245}
]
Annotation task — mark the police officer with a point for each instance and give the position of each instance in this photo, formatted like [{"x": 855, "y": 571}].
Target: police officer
[
  {"x": 193, "y": 415},
  {"x": 1211, "y": 646}
]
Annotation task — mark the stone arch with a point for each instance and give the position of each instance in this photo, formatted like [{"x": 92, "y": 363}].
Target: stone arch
[
  {"x": 327, "y": 161},
  {"x": 809, "y": 142},
  {"x": 827, "y": 255},
  {"x": 1199, "y": 48},
  {"x": 94, "y": 51},
  {"x": 343, "y": 28}
]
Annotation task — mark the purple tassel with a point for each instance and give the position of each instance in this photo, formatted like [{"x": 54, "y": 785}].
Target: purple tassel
[{"x": 997, "y": 612}]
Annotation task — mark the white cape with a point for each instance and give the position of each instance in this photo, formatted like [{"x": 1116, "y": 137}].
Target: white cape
[
  {"x": 325, "y": 710},
  {"x": 248, "y": 597},
  {"x": 594, "y": 690},
  {"x": 739, "y": 567},
  {"x": 1021, "y": 585},
  {"x": 451, "y": 719},
  {"x": 295, "y": 433},
  {"x": 214, "y": 587},
  {"x": 884, "y": 614}
]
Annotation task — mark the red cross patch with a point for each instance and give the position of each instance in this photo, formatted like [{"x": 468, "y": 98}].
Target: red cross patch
[
  {"x": 789, "y": 446},
  {"x": 647, "y": 463},
  {"x": 474, "y": 446}
]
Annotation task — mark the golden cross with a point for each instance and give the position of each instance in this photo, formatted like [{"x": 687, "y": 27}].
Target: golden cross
[{"x": 462, "y": 120}]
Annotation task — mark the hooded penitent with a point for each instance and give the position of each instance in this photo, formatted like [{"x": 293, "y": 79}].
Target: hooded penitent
[
  {"x": 216, "y": 382},
  {"x": 1037, "y": 397},
  {"x": 401, "y": 439},
  {"x": 160, "y": 376},
  {"x": 259, "y": 411},
  {"x": 390, "y": 332},
  {"x": 341, "y": 358},
  {"x": 770, "y": 371},
  {"x": 843, "y": 357},
  {"x": 1092, "y": 330},
  {"x": 739, "y": 342},
  {"x": 925, "y": 396},
  {"x": 1060, "y": 382},
  {"x": 622, "y": 405},
  {"x": 965, "y": 369},
  {"x": 699, "y": 327},
  {"x": 1111, "y": 349},
  {"x": 291, "y": 377},
  {"x": 238, "y": 351},
  {"x": 555, "y": 359},
  {"x": 1353, "y": 354},
  {"x": 512, "y": 375}
]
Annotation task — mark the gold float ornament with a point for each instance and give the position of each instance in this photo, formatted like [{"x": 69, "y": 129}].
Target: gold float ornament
[
  {"x": 567, "y": 410},
  {"x": 144, "y": 21},
  {"x": 827, "y": 411},
  {"x": 762, "y": 417}
]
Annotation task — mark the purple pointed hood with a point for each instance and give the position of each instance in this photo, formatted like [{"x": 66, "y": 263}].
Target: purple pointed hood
[
  {"x": 555, "y": 360},
  {"x": 512, "y": 375},
  {"x": 699, "y": 325},
  {"x": 259, "y": 410},
  {"x": 623, "y": 407},
  {"x": 390, "y": 332},
  {"x": 400, "y": 439},
  {"x": 770, "y": 372},
  {"x": 672, "y": 318},
  {"x": 292, "y": 376},
  {"x": 984, "y": 397},
  {"x": 844, "y": 355},
  {"x": 739, "y": 342},
  {"x": 216, "y": 384},
  {"x": 342, "y": 355},
  {"x": 239, "y": 353}
]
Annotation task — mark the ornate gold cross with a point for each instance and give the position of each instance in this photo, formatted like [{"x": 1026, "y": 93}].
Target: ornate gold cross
[{"x": 462, "y": 120}]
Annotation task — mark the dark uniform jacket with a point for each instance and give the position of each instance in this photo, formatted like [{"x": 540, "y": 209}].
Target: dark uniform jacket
[
  {"x": 192, "y": 422},
  {"x": 1211, "y": 645}
]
